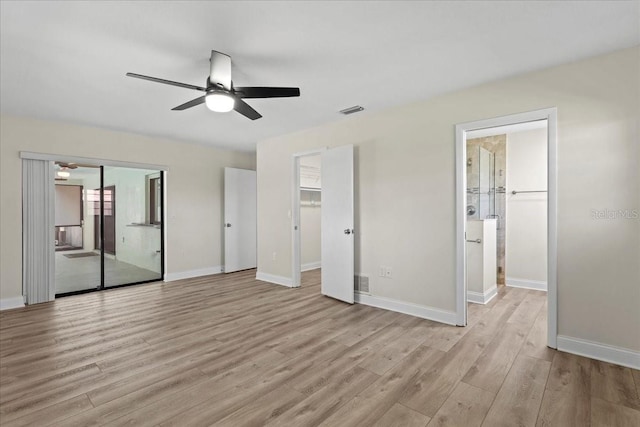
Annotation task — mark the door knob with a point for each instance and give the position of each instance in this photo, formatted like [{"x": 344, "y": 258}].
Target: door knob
[
  {"x": 227, "y": 225},
  {"x": 348, "y": 231}
]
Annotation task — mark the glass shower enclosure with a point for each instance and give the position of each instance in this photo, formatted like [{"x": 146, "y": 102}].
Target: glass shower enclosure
[{"x": 481, "y": 186}]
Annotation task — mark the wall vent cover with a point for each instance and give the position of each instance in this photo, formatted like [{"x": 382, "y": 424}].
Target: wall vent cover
[
  {"x": 361, "y": 284},
  {"x": 351, "y": 110}
]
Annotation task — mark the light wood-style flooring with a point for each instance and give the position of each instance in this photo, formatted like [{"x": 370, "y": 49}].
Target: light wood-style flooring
[{"x": 232, "y": 351}]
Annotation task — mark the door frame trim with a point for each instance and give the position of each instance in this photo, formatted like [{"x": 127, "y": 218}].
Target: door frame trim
[
  {"x": 295, "y": 213},
  {"x": 551, "y": 115}
]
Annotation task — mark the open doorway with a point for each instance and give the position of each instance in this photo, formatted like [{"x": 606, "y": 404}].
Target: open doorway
[
  {"x": 336, "y": 212},
  {"x": 506, "y": 212},
  {"x": 308, "y": 211}
]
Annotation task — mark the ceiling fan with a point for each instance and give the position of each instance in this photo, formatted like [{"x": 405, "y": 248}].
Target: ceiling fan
[
  {"x": 62, "y": 170},
  {"x": 65, "y": 165},
  {"x": 221, "y": 96}
]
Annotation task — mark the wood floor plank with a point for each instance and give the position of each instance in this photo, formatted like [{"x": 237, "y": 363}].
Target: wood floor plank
[
  {"x": 518, "y": 401},
  {"x": 21, "y": 389},
  {"x": 211, "y": 389},
  {"x": 244, "y": 393},
  {"x": 570, "y": 374},
  {"x": 431, "y": 390},
  {"x": 401, "y": 416},
  {"x": 54, "y": 414},
  {"x": 128, "y": 403},
  {"x": 372, "y": 403},
  {"x": 28, "y": 403},
  {"x": 444, "y": 337},
  {"x": 264, "y": 409},
  {"x": 560, "y": 408},
  {"x": 344, "y": 361},
  {"x": 528, "y": 309},
  {"x": 535, "y": 345},
  {"x": 567, "y": 398},
  {"x": 391, "y": 354},
  {"x": 466, "y": 406},
  {"x": 614, "y": 384},
  {"x": 636, "y": 379},
  {"x": 608, "y": 414},
  {"x": 323, "y": 403},
  {"x": 494, "y": 363}
]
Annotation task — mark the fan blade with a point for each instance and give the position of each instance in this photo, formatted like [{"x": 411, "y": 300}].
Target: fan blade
[
  {"x": 189, "y": 104},
  {"x": 246, "y": 110},
  {"x": 167, "y": 82},
  {"x": 266, "y": 92},
  {"x": 67, "y": 165},
  {"x": 220, "y": 74}
]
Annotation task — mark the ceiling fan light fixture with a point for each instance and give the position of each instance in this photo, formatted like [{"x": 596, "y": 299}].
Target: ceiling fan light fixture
[
  {"x": 63, "y": 174},
  {"x": 220, "y": 102}
]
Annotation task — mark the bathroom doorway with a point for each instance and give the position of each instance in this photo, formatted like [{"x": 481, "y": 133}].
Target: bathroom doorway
[{"x": 506, "y": 211}]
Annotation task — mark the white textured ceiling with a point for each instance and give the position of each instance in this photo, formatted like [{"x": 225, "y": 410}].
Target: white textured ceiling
[{"x": 67, "y": 60}]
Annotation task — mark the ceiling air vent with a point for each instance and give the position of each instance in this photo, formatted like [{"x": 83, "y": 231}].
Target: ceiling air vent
[{"x": 352, "y": 110}]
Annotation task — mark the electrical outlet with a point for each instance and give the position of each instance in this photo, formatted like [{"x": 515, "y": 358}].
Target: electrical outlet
[
  {"x": 274, "y": 256},
  {"x": 388, "y": 272}
]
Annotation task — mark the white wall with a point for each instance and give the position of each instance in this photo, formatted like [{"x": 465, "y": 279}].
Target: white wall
[
  {"x": 405, "y": 191},
  {"x": 194, "y": 188},
  {"x": 526, "y": 225}
]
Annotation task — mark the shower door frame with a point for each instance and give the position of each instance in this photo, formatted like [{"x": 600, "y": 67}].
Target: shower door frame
[{"x": 551, "y": 116}]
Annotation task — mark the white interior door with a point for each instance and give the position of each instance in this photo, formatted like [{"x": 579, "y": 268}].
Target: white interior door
[
  {"x": 337, "y": 223},
  {"x": 240, "y": 220}
]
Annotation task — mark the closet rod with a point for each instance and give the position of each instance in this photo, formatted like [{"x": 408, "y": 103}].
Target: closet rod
[{"x": 529, "y": 191}]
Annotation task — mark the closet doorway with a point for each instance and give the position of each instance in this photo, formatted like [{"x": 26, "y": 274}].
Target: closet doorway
[
  {"x": 306, "y": 215},
  {"x": 334, "y": 168}
]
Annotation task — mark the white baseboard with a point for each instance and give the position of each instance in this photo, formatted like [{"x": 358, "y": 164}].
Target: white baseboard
[
  {"x": 606, "y": 353},
  {"x": 9, "y": 303},
  {"x": 272, "y": 278},
  {"x": 482, "y": 298},
  {"x": 310, "y": 266},
  {"x": 536, "y": 285},
  {"x": 435, "y": 314},
  {"x": 170, "y": 277}
]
